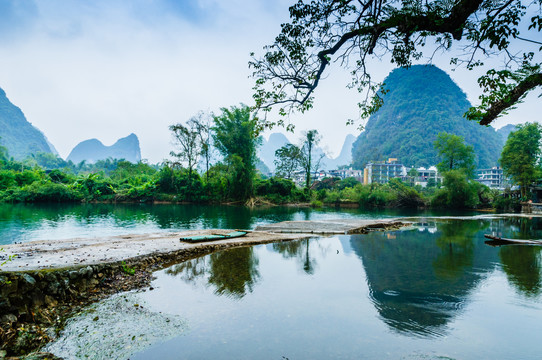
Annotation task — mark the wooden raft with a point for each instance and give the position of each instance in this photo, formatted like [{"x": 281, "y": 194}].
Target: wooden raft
[{"x": 496, "y": 240}]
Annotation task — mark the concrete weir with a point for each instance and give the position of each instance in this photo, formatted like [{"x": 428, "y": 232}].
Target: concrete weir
[
  {"x": 331, "y": 227},
  {"x": 81, "y": 252},
  {"x": 47, "y": 280}
]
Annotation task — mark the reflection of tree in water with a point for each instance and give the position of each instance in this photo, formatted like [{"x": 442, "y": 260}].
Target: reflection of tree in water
[
  {"x": 231, "y": 272},
  {"x": 191, "y": 270},
  {"x": 298, "y": 249},
  {"x": 522, "y": 267},
  {"x": 526, "y": 228},
  {"x": 406, "y": 274},
  {"x": 234, "y": 272},
  {"x": 457, "y": 247}
]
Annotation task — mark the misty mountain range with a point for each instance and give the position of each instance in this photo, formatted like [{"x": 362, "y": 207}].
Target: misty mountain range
[
  {"x": 404, "y": 128},
  {"x": 93, "y": 150},
  {"x": 20, "y": 137},
  {"x": 266, "y": 152}
]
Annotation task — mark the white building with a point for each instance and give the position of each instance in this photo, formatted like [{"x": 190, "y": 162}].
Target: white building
[
  {"x": 382, "y": 171},
  {"x": 424, "y": 175},
  {"x": 494, "y": 178}
]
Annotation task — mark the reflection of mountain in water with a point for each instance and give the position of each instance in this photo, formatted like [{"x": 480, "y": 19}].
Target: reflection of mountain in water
[{"x": 420, "y": 280}]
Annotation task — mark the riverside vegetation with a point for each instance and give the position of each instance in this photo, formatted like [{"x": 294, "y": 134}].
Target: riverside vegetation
[{"x": 46, "y": 178}]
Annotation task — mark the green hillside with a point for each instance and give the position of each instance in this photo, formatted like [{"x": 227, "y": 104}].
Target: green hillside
[
  {"x": 17, "y": 134},
  {"x": 422, "y": 101}
]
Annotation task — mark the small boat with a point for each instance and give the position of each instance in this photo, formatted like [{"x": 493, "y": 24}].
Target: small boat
[
  {"x": 496, "y": 240},
  {"x": 213, "y": 237}
]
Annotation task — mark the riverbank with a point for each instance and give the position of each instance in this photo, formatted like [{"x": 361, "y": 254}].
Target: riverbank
[{"x": 47, "y": 281}]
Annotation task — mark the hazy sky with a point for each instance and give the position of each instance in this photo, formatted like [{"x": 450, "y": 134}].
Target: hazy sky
[{"x": 106, "y": 68}]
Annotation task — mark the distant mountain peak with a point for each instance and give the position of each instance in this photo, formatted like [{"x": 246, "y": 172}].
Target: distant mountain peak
[
  {"x": 266, "y": 152},
  {"x": 421, "y": 102},
  {"x": 17, "y": 134},
  {"x": 93, "y": 150}
]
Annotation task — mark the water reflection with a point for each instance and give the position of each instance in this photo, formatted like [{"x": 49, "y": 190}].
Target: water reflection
[
  {"x": 433, "y": 286},
  {"x": 27, "y": 222},
  {"x": 420, "y": 280},
  {"x": 298, "y": 250},
  {"x": 522, "y": 267},
  {"x": 244, "y": 276},
  {"x": 233, "y": 272},
  {"x": 455, "y": 240}
]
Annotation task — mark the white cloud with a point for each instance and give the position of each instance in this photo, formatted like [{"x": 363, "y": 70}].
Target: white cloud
[{"x": 105, "y": 69}]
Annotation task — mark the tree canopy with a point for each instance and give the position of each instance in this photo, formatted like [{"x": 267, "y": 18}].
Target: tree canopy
[
  {"x": 235, "y": 137},
  {"x": 287, "y": 160},
  {"x": 351, "y": 33},
  {"x": 454, "y": 154},
  {"x": 521, "y": 153}
]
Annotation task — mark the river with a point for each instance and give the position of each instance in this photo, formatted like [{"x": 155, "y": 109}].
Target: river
[{"x": 433, "y": 290}]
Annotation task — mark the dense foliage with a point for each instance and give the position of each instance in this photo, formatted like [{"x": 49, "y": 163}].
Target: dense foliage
[
  {"x": 234, "y": 134},
  {"x": 521, "y": 155},
  {"x": 454, "y": 154},
  {"x": 421, "y": 102}
]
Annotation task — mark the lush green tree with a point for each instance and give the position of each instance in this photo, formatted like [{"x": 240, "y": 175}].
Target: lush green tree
[
  {"x": 7, "y": 179},
  {"x": 309, "y": 164},
  {"x": 454, "y": 154},
  {"x": 288, "y": 160},
  {"x": 61, "y": 177},
  {"x": 49, "y": 160},
  {"x": 235, "y": 137},
  {"x": 188, "y": 141},
  {"x": 348, "y": 182},
  {"x": 412, "y": 174},
  {"x": 353, "y": 33},
  {"x": 106, "y": 166},
  {"x": 521, "y": 154},
  {"x": 458, "y": 191},
  {"x": 431, "y": 182},
  {"x": 327, "y": 183},
  {"x": 216, "y": 186},
  {"x": 407, "y": 196},
  {"x": 278, "y": 190},
  {"x": 202, "y": 124},
  {"x": 4, "y": 156},
  {"x": 126, "y": 170}
]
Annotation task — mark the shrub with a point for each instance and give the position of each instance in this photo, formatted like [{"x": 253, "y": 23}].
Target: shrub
[
  {"x": 7, "y": 179},
  {"x": 458, "y": 192},
  {"x": 43, "y": 192}
]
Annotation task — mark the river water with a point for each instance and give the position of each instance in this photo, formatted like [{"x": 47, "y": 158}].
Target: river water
[
  {"x": 434, "y": 290},
  {"x": 28, "y": 222}
]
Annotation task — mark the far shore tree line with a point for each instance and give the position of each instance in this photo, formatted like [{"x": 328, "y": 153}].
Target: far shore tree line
[{"x": 234, "y": 134}]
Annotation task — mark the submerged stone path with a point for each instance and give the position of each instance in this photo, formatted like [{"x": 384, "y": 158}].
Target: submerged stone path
[
  {"x": 329, "y": 227},
  {"x": 58, "y": 254}
]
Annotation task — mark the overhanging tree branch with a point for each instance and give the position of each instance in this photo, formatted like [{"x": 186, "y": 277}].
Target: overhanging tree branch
[
  {"x": 326, "y": 31},
  {"x": 515, "y": 95}
]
